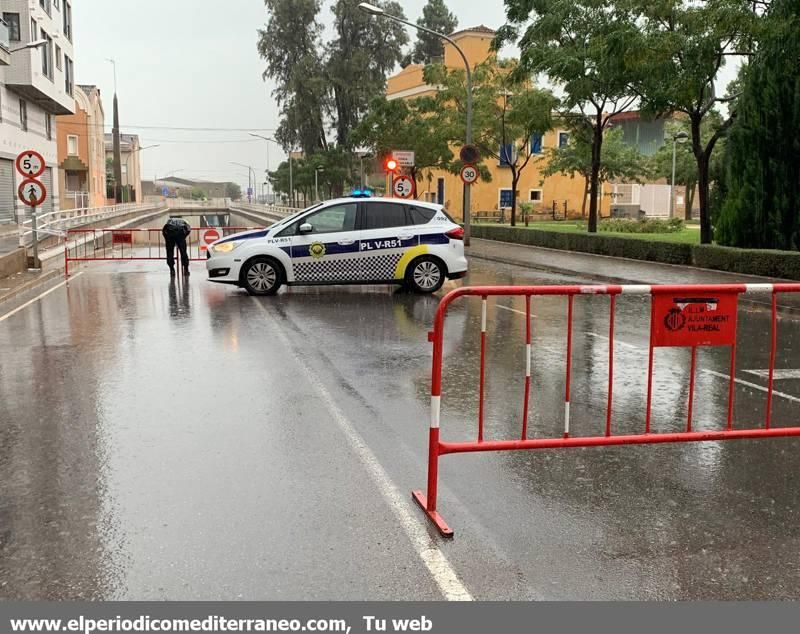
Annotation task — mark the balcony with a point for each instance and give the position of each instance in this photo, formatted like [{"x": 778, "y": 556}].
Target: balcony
[
  {"x": 5, "y": 45},
  {"x": 25, "y": 78}
]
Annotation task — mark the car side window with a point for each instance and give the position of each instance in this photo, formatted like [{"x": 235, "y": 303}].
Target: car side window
[
  {"x": 332, "y": 219},
  {"x": 421, "y": 215},
  {"x": 380, "y": 215}
]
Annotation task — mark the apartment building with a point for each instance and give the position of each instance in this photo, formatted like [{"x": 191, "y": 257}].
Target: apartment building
[
  {"x": 81, "y": 152},
  {"x": 36, "y": 84},
  {"x": 130, "y": 149}
]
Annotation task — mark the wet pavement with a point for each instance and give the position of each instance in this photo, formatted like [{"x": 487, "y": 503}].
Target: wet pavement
[{"x": 180, "y": 440}]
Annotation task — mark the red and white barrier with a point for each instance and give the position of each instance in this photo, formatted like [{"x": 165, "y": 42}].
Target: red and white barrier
[{"x": 680, "y": 316}]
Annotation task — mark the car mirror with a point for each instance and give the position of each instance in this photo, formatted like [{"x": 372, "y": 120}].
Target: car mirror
[{"x": 305, "y": 228}]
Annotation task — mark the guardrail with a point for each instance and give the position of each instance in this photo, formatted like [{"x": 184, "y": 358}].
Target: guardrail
[
  {"x": 279, "y": 210},
  {"x": 185, "y": 203},
  {"x": 688, "y": 316},
  {"x": 57, "y": 222}
]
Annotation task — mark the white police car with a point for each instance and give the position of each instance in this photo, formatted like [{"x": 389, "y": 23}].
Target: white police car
[{"x": 355, "y": 240}]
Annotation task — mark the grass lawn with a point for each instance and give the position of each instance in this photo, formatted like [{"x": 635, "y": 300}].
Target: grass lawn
[{"x": 688, "y": 236}]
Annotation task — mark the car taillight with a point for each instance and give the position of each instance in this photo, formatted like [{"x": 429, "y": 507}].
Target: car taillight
[{"x": 456, "y": 234}]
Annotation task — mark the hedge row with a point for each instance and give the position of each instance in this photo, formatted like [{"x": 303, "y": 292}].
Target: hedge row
[{"x": 782, "y": 264}]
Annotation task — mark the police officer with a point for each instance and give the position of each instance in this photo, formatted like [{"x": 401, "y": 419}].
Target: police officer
[{"x": 175, "y": 233}]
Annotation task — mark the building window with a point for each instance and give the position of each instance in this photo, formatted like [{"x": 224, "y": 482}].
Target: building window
[
  {"x": 23, "y": 114},
  {"x": 506, "y": 155},
  {"x": 47, "y": 55},
  {"x": 59, "y": 64},
  {"x": 57, "y": 4},
  {"x": 48, "y": 126},
  {"x": 536, "y": 143},
  {"x": 535, "y": 196},
  {"x": 506, "y": 198},
  {"x": 72, "y": 145},
  {"x": 68, "y": 20},
  {"x": 563, "y": 139},
  {"x": 68, "y": 78},
  {"x": 34, "y": 30},
  {"x": 45, "y": 4},
  {"x": 12, "y": 19}
]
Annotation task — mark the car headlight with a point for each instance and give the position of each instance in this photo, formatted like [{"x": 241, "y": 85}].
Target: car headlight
[{"x": 225, "y": 247}]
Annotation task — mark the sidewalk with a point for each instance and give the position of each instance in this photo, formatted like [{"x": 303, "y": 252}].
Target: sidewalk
[
  {"x": 9, "y": 239},
  {"x": 19, "y": 283},
  {"x": 605, "y": 269}
]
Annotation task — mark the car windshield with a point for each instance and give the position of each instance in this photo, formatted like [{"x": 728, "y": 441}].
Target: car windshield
[{"x": 282, "y": 223}]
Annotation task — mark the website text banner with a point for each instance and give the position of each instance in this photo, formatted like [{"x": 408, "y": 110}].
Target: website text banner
[{"x": 437, "y": 618}]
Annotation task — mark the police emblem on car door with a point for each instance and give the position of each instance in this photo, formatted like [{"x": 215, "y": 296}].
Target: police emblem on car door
[{"x": 325, "y": 247}]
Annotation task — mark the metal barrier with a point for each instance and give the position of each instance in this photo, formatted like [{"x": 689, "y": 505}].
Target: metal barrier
[
  {"x": 95, "y": 245},
  {"x": 680, "y": 316}
]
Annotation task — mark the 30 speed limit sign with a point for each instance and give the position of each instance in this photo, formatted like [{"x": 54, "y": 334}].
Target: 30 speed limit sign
[
  {"x": 403, "y": 187},
  {"x": 30, "y": 164},
  {"x": 469, "y": 174}
]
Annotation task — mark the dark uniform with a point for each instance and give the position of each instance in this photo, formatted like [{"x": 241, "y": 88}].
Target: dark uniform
[{"x": 175, "y": 233}]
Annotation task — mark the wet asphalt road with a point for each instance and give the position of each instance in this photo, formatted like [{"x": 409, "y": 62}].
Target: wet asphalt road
[{"x": 181, "y": 440}]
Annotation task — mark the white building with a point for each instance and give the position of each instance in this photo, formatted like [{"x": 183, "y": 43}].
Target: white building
[{"x": 35, "y": 85}]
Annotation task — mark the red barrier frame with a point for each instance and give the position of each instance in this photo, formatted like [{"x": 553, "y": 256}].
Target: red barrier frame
[
  {"x": 437, "y": 448},
  {"x": 107, "y": 254}
]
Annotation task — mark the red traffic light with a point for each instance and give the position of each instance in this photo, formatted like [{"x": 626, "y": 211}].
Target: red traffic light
[{"x": 390, "y": 165}]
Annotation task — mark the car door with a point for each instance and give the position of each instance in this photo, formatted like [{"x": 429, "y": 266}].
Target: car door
[
  {"x": 329, "y": 252},
  {"x": 387, "y": 239}
]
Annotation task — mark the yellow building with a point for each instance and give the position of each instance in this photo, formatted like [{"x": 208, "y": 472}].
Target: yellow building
[{"x": 559, "y": 190}]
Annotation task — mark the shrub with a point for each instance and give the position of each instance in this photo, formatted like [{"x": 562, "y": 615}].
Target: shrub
[
  {"x": 647, "y": 225},
  {"x": 767, "y": 263}
]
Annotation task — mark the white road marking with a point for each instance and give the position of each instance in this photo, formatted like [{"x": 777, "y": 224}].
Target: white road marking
[
  {"x": 617, "y": 342},
  {"x": 514, "y": 310},
  {"x": 779, "y": 374},
  {"x": 434, "y": 559},
  {"x": 752, "y": 385},
  {"x": 37, "y": 298}
]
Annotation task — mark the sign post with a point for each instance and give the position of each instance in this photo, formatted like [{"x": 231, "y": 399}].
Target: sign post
[{"x": 32, "y": 192}]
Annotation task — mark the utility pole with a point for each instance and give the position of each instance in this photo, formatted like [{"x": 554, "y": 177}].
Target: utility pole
[{"x": 116, "y": 141}]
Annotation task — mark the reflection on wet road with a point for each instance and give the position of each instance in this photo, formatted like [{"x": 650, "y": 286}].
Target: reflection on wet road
[{"x": 171, "y": 440}]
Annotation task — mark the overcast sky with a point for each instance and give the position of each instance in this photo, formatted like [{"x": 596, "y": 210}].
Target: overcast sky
[{"x": 193, "y": 64}]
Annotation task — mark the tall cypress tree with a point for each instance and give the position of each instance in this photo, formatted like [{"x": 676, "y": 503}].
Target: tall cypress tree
[{"x": 761, "y": 181}]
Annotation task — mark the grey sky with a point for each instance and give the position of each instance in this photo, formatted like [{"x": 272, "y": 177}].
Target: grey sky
[{"x": 193, "y": 64}]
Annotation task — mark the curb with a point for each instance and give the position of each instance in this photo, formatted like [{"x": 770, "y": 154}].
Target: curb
[{"x": 43, "y": 278}]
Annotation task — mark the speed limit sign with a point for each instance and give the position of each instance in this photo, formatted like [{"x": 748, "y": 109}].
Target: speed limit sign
[
  {"x": 469, "y": 174},
  {"x": 30, "y": 164},
  {"x": 403, "y": 187}
]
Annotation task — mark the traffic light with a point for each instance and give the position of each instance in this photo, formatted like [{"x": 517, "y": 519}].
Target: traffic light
[{"x": 390, "y": 165}]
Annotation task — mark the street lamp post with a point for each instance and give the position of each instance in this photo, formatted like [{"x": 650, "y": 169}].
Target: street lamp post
[
  {"x": 377, "y": 11},
  {"x": 316, "y": 182},
  {"x": 678, "y": 137},
  {"x": 128, "y": 165},
  {"x": 251, "y": 184},
  {"x": 268, "y": 139}
]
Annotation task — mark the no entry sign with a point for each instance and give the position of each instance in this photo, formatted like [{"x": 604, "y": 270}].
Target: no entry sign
[
  {"x": 209, "y": 236},
  {"x": 695, "y": 320}
]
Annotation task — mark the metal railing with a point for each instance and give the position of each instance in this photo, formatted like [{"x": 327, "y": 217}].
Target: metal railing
[
  {"x": 186, "y": 203},
  {"x": 279, "y": 210},
  {"x": 58, "y": 222}
]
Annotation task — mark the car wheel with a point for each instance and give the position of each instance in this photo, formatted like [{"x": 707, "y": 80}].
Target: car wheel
[
  {"x": 261, "y": 276},
  {"x": 425, "y": 275}
]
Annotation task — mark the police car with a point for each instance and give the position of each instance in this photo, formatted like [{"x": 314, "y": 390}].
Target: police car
[{"x": 354, "y": 240}]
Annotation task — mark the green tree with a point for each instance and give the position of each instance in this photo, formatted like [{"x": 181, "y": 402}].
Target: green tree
[
  {"x": 685, "y": 163},
  {"x": 507, "y": 112},
  {"x": 233, "y": 191},
  {"x": 682, "y": 47},
  {"x": 402, "y": 125},
  {"x": 366, "y": 49},
  {"x": 583, "y": 47},
  {"x": 198, "y": 194},
  {"x": 618, "y": 160},
  {"x": 429, "y": 48},
  {"x": 761, "y": 206},
  {"x": 290, "y": 45}
]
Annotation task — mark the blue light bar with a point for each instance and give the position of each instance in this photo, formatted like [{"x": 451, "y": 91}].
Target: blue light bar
[{"x": 361, "y": 193}]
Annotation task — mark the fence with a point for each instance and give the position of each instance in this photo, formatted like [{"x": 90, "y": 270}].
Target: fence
[
  {"x": 98, "y": 245},
  {"x": 680, "y": 316}
]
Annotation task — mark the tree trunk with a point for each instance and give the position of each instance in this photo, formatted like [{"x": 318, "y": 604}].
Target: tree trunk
[
  {"x": 701, "y": 157},
  {"x": 597, "y": 146},
  {"x": 514, "y": 181},
  {"x": 585, "y": 196},
  {"x": 689, "y": 204}
]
